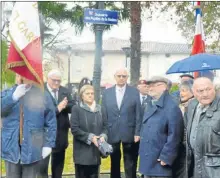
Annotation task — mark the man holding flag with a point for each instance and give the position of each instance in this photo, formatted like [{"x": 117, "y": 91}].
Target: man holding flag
[{"x": 29, "y": 120}]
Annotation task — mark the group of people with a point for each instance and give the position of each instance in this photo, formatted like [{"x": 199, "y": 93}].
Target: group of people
[{"x": 175, "y": 135}]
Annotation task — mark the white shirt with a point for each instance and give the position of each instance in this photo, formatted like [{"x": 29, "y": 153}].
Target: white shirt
[
  {"x": 52, "y": 92},
  {"x": 120, "y": 91},
  {"x": 141, "y": 97}
]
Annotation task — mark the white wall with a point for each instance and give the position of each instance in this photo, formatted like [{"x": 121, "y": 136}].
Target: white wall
[
  {"x": 82, "y": 66},
  {"x": 158, "y": 64}
]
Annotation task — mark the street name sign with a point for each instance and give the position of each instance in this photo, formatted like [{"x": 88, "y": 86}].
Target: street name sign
[{"x": 99, "y": 16}]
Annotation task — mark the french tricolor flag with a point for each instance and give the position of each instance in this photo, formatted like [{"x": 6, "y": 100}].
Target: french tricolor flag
[
  {"x": 198, "y": 42},
  {"x": 25, "y": 52}
]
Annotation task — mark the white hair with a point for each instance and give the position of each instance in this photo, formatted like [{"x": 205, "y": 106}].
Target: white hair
[
  {"x": 54, "y": 72},
  {"x": 121, "y": 69}
]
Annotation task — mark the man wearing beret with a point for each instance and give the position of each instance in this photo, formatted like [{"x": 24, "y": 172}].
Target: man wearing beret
[{"x": 161, "y": 132}]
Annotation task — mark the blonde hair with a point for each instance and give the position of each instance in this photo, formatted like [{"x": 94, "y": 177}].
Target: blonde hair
[{"x": 84, "y": 88}]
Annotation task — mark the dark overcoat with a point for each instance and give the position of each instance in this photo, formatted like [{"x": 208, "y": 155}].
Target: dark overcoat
[
  {"x": 161, "y": 134},
  {"x": 63, "y": 123},
  {"x": 85, "y": 122}
]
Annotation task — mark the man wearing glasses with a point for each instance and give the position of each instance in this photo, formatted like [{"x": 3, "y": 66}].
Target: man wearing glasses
[
  {"x": 63, "y": 102},
  {"x": 122, "y": 106},
  {"x": 161, "y": 131}
]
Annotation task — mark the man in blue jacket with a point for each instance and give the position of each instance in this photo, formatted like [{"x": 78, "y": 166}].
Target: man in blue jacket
[
  {"x": 161, "y": 132},
  {"x": 28, "y": 129}
]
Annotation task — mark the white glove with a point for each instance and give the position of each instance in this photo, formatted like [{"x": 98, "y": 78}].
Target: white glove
[
  {"x": 46, "y": 151},
  {"x": 20, "y": 91}
]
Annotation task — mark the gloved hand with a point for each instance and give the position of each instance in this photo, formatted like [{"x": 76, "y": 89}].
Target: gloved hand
[
  {"x": 105, "y": 148},
  {"x": 46, "y": 151},
  {"x": 20, "y": 91}
]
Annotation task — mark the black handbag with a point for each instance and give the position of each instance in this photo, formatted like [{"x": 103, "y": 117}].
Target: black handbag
[{"x": 105, "y": 148}]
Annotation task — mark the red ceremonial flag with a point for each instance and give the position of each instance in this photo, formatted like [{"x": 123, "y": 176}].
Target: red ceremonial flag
[
  {"x": 198, "y": 42},
  {"x": 25, "y": 53}
]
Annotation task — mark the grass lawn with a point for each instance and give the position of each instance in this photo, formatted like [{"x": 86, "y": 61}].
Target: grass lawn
[{"x": 69, "y": 166}]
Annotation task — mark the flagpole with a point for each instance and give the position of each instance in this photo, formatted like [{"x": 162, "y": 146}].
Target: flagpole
[{"x": 198, "y": 11}]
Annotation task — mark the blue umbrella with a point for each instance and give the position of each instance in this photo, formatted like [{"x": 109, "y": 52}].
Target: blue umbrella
[{"x": 198, "y": 62}]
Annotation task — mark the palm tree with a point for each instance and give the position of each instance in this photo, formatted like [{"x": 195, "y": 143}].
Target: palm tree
[{"x": 135, "y": 56}]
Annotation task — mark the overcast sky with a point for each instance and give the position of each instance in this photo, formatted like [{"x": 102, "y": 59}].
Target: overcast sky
[{"x": 161, "y": 31}]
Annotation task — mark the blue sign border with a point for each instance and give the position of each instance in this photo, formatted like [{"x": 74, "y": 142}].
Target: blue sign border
[{"x": 100, "y": 16}]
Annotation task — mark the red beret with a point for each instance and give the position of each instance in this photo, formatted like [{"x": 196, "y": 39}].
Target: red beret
[{"x": 142, "y": 82}]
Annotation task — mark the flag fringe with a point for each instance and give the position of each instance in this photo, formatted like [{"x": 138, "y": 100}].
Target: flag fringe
[
  {"x": 15, "y": 64},
  {"x": 40, "y": 84}
]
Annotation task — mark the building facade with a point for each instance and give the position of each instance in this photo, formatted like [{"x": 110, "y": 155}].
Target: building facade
[{"x": 156, "y": 59}]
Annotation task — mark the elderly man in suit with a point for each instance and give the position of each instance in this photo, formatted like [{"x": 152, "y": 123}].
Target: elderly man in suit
[
  {"x": 63, "y": 102},
  {"x": 203, "y": 131},
  {"x": 122, "y": 106},
  {"x": 161, "y": 132}
]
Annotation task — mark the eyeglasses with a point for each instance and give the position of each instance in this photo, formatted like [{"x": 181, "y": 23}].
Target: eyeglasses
[
  {"x": 121, "y": 76},
  {"x": 55, "y": 80},
  {"x": 202, "y": 91}
]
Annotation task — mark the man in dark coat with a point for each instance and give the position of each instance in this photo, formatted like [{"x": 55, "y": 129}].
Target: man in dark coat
[
  {"x": 63, "y": 102},
  {"x": 203, "y": 131},
  {"x": 161, "y": 132},
  {"x": 121, "y": 104}
]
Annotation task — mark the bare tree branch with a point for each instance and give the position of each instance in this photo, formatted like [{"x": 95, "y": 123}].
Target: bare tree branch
[{"x": 61, "y": 31}]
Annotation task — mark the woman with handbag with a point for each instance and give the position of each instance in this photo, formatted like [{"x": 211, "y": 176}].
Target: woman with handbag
[{"x": 88, "y": 124}]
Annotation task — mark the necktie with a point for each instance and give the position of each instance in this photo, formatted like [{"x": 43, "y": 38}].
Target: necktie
[
  {"x": 55, "y": 95},
  {"x": 143, "y": 98}
]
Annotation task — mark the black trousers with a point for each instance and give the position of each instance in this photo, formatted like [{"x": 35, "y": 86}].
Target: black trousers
[
  {"x": 86, "y": 171},
  {"x": 130, "y": 153},
  {"x": 57, "y": 165}
]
